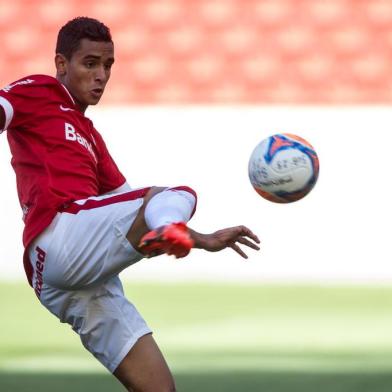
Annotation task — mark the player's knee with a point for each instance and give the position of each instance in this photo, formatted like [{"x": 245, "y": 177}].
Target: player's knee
[
  {"x": 191, "y": 193},
  {"x": 185, "y": 188}
]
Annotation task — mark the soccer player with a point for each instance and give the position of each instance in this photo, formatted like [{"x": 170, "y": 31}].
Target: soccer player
[{"x": 83, "y": 222}]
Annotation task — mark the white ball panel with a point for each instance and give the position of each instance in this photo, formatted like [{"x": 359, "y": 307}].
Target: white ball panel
[{"x": 290, "y": 169}]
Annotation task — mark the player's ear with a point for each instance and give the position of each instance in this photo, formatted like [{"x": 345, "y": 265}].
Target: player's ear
[{"x": 61, "y": 64}]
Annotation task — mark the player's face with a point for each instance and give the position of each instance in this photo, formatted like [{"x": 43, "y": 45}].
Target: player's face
[{"x": 85, "y": 75}]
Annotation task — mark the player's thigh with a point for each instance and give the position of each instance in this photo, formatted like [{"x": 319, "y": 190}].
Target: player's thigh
[
  {"x": 144, "y": 368},
  {"x": 86, "y": 247},
  {"x": 108, "y": 324}
]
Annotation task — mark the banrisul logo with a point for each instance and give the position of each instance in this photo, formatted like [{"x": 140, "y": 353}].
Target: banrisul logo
[
  {"x": 11, "y": 86},
  {"x": 73, "y": 136}
]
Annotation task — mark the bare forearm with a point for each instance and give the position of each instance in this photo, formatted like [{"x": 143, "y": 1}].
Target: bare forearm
[
  {"x": 229, "y": 237},
  {"x": 200, "y": 240}
]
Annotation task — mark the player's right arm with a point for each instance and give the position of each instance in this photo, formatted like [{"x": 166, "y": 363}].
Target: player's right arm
[
  {"x": 18, "y": 101},
  {"x": 2, "y": 118},
  {"x": 6, "y": 111}
]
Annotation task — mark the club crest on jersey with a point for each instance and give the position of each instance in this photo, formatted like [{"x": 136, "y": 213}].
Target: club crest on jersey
[
  {"x": 73, "y": 136},
  {"x": 10, "y": 86}
]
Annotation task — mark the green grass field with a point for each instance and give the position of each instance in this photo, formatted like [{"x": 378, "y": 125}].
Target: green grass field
[{"x": 216, "y": 338}]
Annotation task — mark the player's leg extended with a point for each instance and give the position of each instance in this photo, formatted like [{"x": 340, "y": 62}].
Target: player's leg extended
[
  {"x": 144, "y": 368},
  {"x": 160, "y": 224}
]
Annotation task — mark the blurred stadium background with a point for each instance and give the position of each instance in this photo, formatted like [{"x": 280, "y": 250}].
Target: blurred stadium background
[
  {"x": 219, "y": 51},
  {"x": 201, "y": 82}
]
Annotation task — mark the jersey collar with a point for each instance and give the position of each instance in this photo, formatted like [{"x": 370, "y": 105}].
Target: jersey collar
[{"x": 69, "y": 94}]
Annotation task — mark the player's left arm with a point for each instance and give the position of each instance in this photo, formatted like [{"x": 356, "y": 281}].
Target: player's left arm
[{"x": 229, "y": 237}]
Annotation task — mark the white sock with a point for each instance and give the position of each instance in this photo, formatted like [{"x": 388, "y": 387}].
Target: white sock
[{"x": 169, "y": 206}]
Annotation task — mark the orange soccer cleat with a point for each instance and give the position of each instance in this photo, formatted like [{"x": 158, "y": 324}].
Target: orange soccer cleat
[{"x": 173, "y": 239}]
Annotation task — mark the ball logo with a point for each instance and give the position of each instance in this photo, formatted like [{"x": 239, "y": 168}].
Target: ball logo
[{"x": 283, "y": 168}]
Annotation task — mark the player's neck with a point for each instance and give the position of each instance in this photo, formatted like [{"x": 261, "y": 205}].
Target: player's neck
[{"x": 81, "y": 107}]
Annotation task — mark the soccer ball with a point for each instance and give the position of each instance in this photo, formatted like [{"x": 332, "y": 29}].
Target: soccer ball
[{"x": 283, "y": 168}]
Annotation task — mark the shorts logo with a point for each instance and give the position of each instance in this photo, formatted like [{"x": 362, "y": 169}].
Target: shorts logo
[{"x": 39, "y": 268}]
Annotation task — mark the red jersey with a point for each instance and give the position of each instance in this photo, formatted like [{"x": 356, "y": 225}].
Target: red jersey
[{"x": 57, "y": 154}]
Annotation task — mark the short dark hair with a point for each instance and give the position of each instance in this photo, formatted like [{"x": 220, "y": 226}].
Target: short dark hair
[{"x": 70, "y": 35}]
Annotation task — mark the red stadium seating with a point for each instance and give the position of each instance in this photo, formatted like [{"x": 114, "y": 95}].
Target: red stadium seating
[{"x": 219, "y": 51}]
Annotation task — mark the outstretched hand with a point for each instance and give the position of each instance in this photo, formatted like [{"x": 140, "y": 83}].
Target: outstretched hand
[{"x": 230, "y": 237}]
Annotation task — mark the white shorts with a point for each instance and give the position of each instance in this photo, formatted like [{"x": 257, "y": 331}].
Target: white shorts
[{"x": 76, "y": 262}]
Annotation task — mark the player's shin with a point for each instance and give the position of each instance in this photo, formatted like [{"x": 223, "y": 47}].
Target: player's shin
[
  {"x": 170, "y": 206},
  {"x": 166, "y": 215}
]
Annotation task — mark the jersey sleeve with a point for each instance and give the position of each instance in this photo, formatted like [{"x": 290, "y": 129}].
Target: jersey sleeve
[
  {"x": 109, "y": 176},
  {"x": 20, "y": 100},
  {"x": 8, "y": 109}
]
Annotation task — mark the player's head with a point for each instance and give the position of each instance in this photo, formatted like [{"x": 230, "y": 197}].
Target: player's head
[{"x": 84, "y": 56}]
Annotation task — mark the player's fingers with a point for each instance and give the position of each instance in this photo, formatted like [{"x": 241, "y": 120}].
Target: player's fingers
[
  {"x": 237, "y": 249},
  {"x": 245, "y": 241},
  {"x": 244, "y": 231}
]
